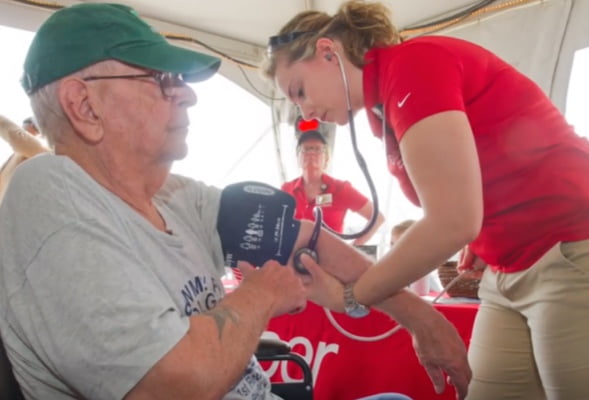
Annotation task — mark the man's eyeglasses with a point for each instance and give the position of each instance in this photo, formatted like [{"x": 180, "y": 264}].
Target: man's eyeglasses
[
  {"x": 166, "y": 80},
  {"x": 312, "y": 150}
]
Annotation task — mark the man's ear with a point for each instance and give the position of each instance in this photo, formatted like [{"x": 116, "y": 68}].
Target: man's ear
[{"x": 75, "y": 99}]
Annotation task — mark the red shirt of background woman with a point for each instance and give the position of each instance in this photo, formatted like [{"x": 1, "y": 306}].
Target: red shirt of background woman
[{"x": 316, "y": 188}]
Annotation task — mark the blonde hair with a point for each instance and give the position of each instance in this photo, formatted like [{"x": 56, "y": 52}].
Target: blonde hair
[{"x": 358, "y": 25}]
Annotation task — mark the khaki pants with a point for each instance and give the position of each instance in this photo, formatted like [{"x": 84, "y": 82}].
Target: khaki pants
[{"x": 531, "y": 335}]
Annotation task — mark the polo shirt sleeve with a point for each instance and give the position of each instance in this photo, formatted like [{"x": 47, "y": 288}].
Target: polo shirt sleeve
[
  {"x": 419, "y": 80},
  {"x": 354, "y": 199}
]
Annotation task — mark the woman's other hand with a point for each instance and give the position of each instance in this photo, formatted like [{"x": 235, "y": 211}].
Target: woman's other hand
[{"x": 469, "y": 263}]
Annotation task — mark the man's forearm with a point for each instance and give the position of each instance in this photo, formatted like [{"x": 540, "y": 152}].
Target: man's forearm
[
  {"x": 409, "y": 310},
  {"x": 348, "y": 264},
  {"x": 225, "y": 338}
]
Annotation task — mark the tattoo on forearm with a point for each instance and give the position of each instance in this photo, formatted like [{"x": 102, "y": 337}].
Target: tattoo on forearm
[{"x": 221, "y": 315}]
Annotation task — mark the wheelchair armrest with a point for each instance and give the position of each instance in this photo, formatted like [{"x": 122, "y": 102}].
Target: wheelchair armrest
[
  {"x": 271, "y": 347},
  {"x": 300, "y": 390}
]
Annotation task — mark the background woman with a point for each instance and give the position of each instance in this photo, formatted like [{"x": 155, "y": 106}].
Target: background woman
[{"x": 316, "y": 188}]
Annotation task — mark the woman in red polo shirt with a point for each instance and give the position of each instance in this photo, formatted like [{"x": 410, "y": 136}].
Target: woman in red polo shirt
[
  {"x": 493, "y": 164},
  {"x": 316, "y": 188}
]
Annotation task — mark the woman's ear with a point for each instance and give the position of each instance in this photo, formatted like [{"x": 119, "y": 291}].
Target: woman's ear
[
  {"x": 325, "y": 48},
  {"x": 76, "y": 101}
]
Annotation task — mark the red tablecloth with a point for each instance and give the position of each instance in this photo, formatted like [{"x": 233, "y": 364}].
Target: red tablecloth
[{"x": 346, "y": 369}]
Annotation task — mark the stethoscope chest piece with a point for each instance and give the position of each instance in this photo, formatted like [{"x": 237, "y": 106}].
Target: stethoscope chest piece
[
  {"x": 310, "y": 249},
  {"x": 298, "y": 264}
]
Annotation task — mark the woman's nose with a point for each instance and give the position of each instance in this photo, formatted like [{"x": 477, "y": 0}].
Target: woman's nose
[{"x": 306, "y": 112}]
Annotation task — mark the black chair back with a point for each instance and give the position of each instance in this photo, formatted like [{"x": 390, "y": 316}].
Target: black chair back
[
  {"x": 9, "y": 388},
  {"x": 302, "y": 390},
  {"x": 277, "y": 350}
]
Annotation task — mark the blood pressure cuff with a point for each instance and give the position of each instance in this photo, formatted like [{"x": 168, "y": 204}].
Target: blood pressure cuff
[{"x": 256, "y": 224}]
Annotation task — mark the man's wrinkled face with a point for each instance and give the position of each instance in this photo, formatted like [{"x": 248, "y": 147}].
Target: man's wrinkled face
[{"x": 140, "y": 122}]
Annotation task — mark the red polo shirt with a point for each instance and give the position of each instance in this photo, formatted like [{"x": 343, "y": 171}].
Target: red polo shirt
[
  {"x": 343, "y": 198},
  {"x": 535, "y": 169}
]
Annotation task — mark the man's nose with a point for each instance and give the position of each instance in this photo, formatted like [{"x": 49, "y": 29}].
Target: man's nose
[{"x": 184, "y": 96}]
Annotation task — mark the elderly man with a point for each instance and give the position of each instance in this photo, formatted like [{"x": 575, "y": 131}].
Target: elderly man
[{"x": 110, "y": 266}]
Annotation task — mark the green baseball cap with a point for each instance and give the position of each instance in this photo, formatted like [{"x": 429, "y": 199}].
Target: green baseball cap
[{"x": 78, "y": 36}]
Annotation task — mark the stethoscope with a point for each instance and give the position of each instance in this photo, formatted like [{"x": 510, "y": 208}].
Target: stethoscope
[{"x": 310, "y": 249}]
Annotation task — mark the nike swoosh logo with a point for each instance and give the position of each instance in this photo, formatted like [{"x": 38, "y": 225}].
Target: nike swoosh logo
[{"x": 402, "y": 102}]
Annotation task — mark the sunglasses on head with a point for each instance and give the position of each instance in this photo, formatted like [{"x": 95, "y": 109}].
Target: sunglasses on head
[{"x": 277, "y": 41}]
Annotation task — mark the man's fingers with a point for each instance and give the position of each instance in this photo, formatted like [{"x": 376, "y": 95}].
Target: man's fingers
[
  {"x": 436, "y": 375},
  {"x": 460, "y": 382},
  {"x": 245, "y": 268}
]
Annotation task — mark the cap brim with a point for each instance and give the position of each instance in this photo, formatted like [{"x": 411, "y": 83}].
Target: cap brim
[
  {"x": 309, "y": 135},
  {"x": 193, "y": 66}
]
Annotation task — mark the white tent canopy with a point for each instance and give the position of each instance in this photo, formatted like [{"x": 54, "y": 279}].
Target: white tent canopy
[{"x": 538, "y": 37}]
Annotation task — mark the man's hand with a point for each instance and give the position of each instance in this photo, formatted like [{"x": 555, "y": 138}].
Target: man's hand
[
  {"x": 279, "y": 284},
  {"x": 440, "y": 349}
]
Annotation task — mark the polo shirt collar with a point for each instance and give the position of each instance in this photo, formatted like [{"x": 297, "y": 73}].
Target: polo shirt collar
[{"x": 372, "y": 101}]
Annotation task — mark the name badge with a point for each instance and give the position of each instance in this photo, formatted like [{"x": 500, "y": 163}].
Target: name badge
[{"x": 324, "y": 199}]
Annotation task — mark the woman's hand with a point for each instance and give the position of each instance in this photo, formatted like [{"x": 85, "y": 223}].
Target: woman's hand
[
  {"x": 469, "y": 263},
  {"x": 322, "y": 288}
]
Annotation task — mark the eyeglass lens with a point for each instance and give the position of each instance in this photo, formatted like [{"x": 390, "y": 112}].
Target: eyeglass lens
[
  {"x": 312, "y": 150},
  {"x": 168, "y": 81}
]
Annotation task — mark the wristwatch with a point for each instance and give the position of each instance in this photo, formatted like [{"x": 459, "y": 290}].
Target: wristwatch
[{"x": 351, "y": 305}]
